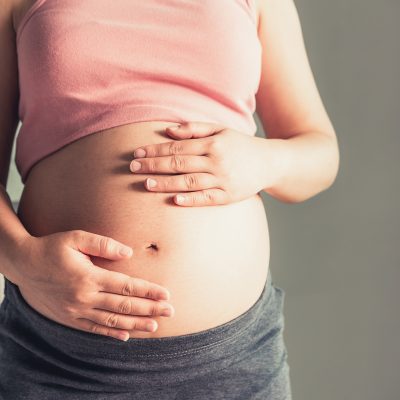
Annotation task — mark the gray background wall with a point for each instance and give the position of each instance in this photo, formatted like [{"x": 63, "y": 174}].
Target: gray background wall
[{"x": 336, "y": 255}]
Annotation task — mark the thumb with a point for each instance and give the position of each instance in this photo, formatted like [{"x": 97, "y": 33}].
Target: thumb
[{"x": 101, "y": 246}]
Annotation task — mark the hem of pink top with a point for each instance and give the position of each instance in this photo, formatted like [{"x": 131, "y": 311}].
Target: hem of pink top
[{"x": 112, "y": 119}]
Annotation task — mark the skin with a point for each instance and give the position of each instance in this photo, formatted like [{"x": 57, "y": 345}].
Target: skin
[
  {"x": 301, "y": 156},
  {"x": 208, "y": 164}
]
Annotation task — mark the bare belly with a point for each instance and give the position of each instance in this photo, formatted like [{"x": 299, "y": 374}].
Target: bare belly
[{"x": 213, "y": 259}]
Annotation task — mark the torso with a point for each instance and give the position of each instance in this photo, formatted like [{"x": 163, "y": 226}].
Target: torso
[{"x": 213, "y": 260}]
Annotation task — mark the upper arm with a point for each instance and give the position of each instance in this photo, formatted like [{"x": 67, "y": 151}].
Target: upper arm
[
  {"x": 9, "y": 88},
  {"x": 287, "y": 101}
]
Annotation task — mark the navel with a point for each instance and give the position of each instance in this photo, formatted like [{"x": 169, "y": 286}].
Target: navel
[{"x": 153, "y": 246}]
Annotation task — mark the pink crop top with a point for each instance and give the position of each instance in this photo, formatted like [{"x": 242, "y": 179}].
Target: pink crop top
[{"x": 85, "y": 66}]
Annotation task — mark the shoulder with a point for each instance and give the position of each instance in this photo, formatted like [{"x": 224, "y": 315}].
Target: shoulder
[{"x": 276, "y": 12}]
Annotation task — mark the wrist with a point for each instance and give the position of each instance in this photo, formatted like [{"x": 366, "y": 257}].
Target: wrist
[
  {"x": 277, "y": 162},
  {"x": 16, "y": 257}
]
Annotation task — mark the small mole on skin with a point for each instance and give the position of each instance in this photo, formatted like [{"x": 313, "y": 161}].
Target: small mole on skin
[{"x": 153, "y": 246}]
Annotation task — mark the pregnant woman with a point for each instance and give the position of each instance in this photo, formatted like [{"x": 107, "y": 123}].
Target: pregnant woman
[{"x": 114, "y": 289}]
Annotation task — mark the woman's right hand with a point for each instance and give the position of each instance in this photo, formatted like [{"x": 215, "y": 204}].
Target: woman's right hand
[{"x": 58, "y": 279}]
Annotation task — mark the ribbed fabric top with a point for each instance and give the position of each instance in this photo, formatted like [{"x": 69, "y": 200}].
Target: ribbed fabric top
[{"x": 85, "y": 66}]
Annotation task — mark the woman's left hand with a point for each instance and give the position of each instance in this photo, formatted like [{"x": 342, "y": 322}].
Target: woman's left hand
[{"x": 215, "y": 165}]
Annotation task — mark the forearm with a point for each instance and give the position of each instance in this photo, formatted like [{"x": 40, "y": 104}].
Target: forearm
[
  {"x": 303, "y": 166},
  {"x": 12, "y": 232}
]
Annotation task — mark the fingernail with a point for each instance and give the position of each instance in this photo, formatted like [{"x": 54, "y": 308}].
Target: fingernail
[
  {"x": 135, "y": 165},
  {"x": 125, "y": 251},
  {"x": 164, "y": 296},
  {"x": 139, "y": 153},
  {"x": 151, "y": 327},
  {"x": 180, "y": 199},
  {"x": 124, "y": 336},
  {"x": 151, "y": 183},
  {"x": 174, "y": 128},
  {"x": 167, "y": 312}
]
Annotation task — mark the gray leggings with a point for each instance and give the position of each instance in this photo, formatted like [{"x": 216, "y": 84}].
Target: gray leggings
[{"x": 244, "y": 359}]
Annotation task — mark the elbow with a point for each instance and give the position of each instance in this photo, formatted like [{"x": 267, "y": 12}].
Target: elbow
[
  {"x": 334, "y": 164},
  {"x": 331, "y": 170}
]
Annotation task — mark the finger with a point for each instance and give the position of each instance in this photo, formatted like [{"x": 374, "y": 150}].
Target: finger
[
  {"x": 119, "y": 321},
  {"x": 182, "y": 183},
  {"x": 194, "y": 129},
  {"x": 119, "y": 283},
  {"x": 207, "y": 197},
  {"x": 194, "y": 147},
  {"x": 128, "y": 306},
  {"x": 100, "y": 246},
  {"x": 92, "y": 327},
  {"x": 172, "y": 164}
]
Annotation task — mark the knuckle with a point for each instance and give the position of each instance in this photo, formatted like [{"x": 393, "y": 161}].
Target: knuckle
[
  {"x": 69, "y": 309},
  {"x": 148, "y": 292},
  {"x": 78, "y": 298},
  {"x": 208, "y": 196},
  {"x": 86, "y": 282},
  {"x": 77, "y": 235},
  {"x": 94, "y": 328},
  {"x": 151, "y": 165},
  {"x": 191, "y": 181},
  {"x": 125, "y": 307},
  {"x": 154, "y": 309},
  {"x": 134, "y": 324},
  {"x": 112, "y": 320},
  {"x": 78, "y": 232},
  {"x": 145, "y": 287},
  {"x": 175, "y": 148},
  {"x": 177, "y": 163},
  {"x": 128, "y": 289},
  {"x": 104, "y": 244},
  {"x": 166, "y": 183}
]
